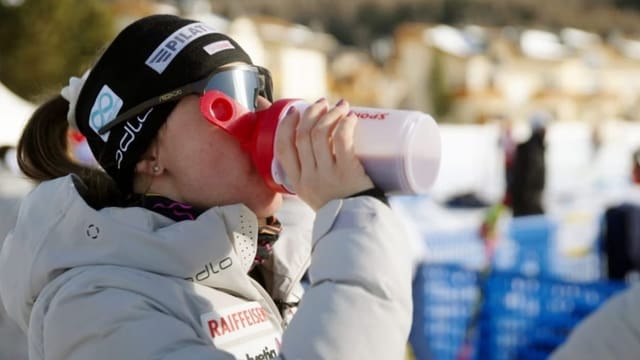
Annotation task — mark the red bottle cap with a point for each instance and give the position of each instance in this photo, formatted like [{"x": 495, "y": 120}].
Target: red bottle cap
[{"x": 255, "y": 131}]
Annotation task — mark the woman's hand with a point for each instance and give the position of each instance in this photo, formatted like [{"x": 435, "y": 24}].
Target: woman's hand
[{"x": 316, "y": 151}]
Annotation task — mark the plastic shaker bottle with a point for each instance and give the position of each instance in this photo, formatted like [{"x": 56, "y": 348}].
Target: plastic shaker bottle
[{"x": 399, "y": 149}]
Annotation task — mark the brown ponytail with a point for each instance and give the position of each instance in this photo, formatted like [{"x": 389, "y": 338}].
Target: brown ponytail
[{"x": 43, "y": 154}]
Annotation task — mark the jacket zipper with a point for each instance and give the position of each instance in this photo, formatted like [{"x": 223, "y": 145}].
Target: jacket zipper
[{"x": 270, "y": 303}]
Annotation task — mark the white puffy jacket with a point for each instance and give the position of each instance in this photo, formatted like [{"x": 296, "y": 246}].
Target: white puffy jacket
[{"x": 127, "y": 283}]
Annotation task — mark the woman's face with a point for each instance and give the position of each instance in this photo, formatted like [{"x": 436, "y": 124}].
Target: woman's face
[{"x": 204, "y": 166}]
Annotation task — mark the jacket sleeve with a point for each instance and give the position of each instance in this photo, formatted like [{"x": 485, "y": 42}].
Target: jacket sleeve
[
  {"x": 611, "y": 332},
  {"x": 116, "y": 323},
  {"x": 358, "y": 304}
]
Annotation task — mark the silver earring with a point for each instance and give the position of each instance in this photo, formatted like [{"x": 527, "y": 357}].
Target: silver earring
[{"x": 156, "y": 169}]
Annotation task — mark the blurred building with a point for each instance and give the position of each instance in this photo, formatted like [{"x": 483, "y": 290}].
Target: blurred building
[
  {"x": 297, "y": 57},
  {"x": 467, "y": 74},
  {"x": 486, "y": 72},
  {"x": 357, "y": 78}
]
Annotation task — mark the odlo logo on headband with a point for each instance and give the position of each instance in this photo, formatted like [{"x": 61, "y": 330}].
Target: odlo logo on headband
[
  {"x": 174, "y": 43},
  {"x": 131, "y": 130}
]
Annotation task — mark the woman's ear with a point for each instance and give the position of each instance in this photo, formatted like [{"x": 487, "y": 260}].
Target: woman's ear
[
  {"x": 148, "y": 167},
  {"x": 149, "y": 163}
]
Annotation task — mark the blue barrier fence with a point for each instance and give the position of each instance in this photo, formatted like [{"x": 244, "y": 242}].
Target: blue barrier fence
[
  {"x": 444, "y": 299},
  {"x": 523, "y": 308},
  {"x": 528, "y": 317},
  {"x": 519, "y": 316}
]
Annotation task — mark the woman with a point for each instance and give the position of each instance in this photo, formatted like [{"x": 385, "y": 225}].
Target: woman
[{"x": 173, "y": 251}]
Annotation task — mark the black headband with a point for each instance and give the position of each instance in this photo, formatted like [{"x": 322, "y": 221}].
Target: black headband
[{"x": 148, "y": 58}]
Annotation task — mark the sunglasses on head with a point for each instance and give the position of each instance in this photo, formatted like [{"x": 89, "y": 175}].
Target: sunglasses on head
[{"x": 244, "y": 83}]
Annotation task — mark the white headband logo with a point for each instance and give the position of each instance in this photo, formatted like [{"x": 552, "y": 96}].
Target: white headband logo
[
  {"x": 162, "y": 56},
  {"x": 105, "y": 108}
]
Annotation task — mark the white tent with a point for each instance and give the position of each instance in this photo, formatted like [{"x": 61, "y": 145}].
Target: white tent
[{"x": 14, "y": 113}]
